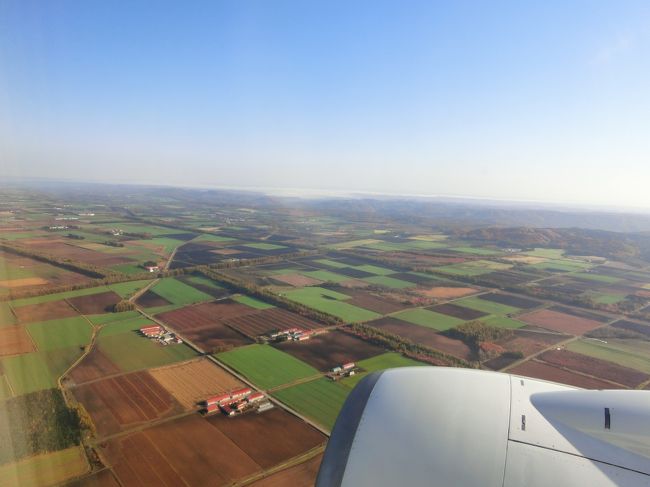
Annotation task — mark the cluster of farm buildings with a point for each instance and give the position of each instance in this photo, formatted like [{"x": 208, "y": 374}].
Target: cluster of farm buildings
[
  {"x": 295, "y": 334},
  {"x": 341, "y": 371},
  {"x": 237, "y": 402},
  {"x": 160, "y": 334}
]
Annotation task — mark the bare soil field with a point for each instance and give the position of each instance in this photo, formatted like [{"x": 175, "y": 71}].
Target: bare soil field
[
  {"x": 419, "y": 258},
  {"x": 594, "y": 367},
  {"x": 552, "y": 320},
  {"x": 257, "y": 324},
  {"x": 423, "y": 336},
  {"x": 95, "y": 365},
  {"x": 150, "y": 299},
  {"x": 104, "y": 478},
  {"x": 415, "y": 279},
  {"x": 191, "y": 382},
  {"x": 118, "y": 403},
  {"x": 352, "y": 272},
  {"x": 188, "y": 452},
  {"x": 330, "y": 349},
  {"x": 25, "y": 281},
  {"x": 510, "y": 300},
  {"x": 580, "y": 313},
  {"x": 205, "y": 315},
  {"x": 457, "y": 311},
  {"x": 302, "y": 475},
  {"x": 217, "y": 338},
  {"x": 442, "y": 292},
  {"x": 540, "y": 370},
  {"x": 289, "y": 435},
  {"x": 15, "y": 340},
  {"x": 44, "y": 311},
  {"x": 95, "y": 303},
  {"x": 378, "y": 304},
  {"x": 296, "y": 280},
  {"x": 64, "y": 250},
  {"x": 354, "y": 284}
]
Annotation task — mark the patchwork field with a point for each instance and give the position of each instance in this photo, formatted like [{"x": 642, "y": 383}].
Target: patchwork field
[
  {"x": 257, "y": 324},
  {"x": 489, "y": 307},
  {"x": 429, "y": 319},
  {"x": 627, "y": 353},
  {"x": 36, "y": 371},
  {"x": 266, "y": 366},
  {"x": 302, "y": 475},
  {"x": 387, "y": 360},
  {"x": 561, "y": 322},
  {"x": 330, "y": 302},
  {"x": 191, "y": 382},
  {"x": 95, "y": 303},
  {"x": 45, "y": 311},
  {"x": 328, "y": 350},
  {"x": 205, "y": 315},
  {"x": 118, "y": 403},
  {"x": 320, "y": 400},
  {"x": 95, "y": 365},
  {"x": 67, "y": 332},
  {"x": 177, "y": 292},
  {"x": 456, "y": 311},
  {"x": 445, "y": 292},
  {"x": 45, "y": 469}
]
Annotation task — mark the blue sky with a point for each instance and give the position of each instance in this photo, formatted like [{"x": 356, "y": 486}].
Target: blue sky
[{"x": 540, "y": 101}]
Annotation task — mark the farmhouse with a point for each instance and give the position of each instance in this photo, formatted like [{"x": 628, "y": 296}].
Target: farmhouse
[
  {"x": 236, "y": 402},
  {"x": 152, "y": 331},
  {"x": 152, "y": 268}
]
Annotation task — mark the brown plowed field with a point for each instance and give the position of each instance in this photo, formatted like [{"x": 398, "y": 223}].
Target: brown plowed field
[
  {"x": 423, "y": 336},
  {"x": 330, "y": 349},
  {"x": 95, "y": 303},
  {"x": 191, "y": 382},
  {"x": 186, "y": 452},
  {"x": 540, "y": 370},
  {"x": 595, "y": 367},
  {"x": 262, "y": 322},
  {"x": 530, "y": 342},
  {"x": 44, "y": 311},
  {"x": 456, "y": 311},
  {"x": 552, "y": 320},
  {"x": 303, "y": 475},
  {"x": 373, "y": 303},
  {"x": 271, "y": 437},
  {"x": 441, "y": 292},
  {"x": 580, "y": 313},
  {"x": 125, "y": 401},
  {"x": 95, "y": 365},
  {"x": 296, "y": 280},
  {"x": 68, "y": 251},
  {"x": 25, "y": 281},
  {"x": 217, "y": 338},
  {"x": 15, "y": 340},
  {"x": 150, "y": 299},
  {"x": 509, "y": 300},
  {"x": 205, "y": 315}
]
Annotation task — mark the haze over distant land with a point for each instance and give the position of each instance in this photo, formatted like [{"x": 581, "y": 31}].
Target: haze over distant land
[{"x": 517, "y": 101}]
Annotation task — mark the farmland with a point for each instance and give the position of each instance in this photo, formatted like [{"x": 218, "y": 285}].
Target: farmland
[{"x": 375, "y": 288}]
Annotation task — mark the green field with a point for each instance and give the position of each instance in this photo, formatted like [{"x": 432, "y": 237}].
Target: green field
[
  {"x": 331, "y": 263},
  {"x": 62, "y": 333},
  {"x": 355, "y": 243},
  {"x": 388, "y": 281},
  {"x": 628, "y": 353},
  {"x": 320, "y": 400},
  {"x": 126, "y": 325},
  {"x": 475, "y": 251},
  {"x": 35, "y": 371},
  {"x": 206, "y": 237},
  {"x": 429, "y": 319},
  {"x": 58, "y": 296},
  {"x": 373, "y": 269},
  {"x": 326, "y": 276},
  {"x": 389, "y": 360},
  {"x": 486, "y": 306},
  {"x": 562, "y": 265},
  {"x": 605, "y": 298},
  {"x": 330, "y": 302},
  {"x": 203, "y": 281},
  {"x": 463, "y": 270},
  {"x": 546, "y": 253},
  {"x": 264, "y": 246},
  {"x": 252, "y": 302},
  {"x": 266, "y": 366},
  {"x": 130, "y": 351},
  {"x": 177, "y": 292},
  {"x": 502, "y": 322},
  {"x": 112, "y": 317}
]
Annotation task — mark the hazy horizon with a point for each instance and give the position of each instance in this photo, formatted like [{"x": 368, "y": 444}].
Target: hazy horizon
[{"x": 534, "y": 103}]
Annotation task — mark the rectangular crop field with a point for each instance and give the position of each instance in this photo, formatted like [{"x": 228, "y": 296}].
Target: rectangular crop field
[
  {"x": 330, "y": 302},
  {"x": 628, "y": 353},
  {"x": 430, "y": 319},
  {"x": 14, "y": 340},
  {"x": 45, "y": 469},
  {"x": 177, "y": 292},
  {"x": 35, "y": 371},
  {"x": 320, "y": 400},
  {"x": 252, "y": 302},
  {"x": 486, "y": 306},
  {"x": 541, "y": 370},
  {"x": 265, "y": 366},
  {"x": 67, "y": 332},
  {"x": 389, "y": 282},
  {"x": 561, "y": 322},
  {"x": 126, "y": 401},
  {"x": 256, "y": 324}
]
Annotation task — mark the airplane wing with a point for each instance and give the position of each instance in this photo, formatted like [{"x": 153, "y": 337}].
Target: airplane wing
[{"x": 436, "y": 426}]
